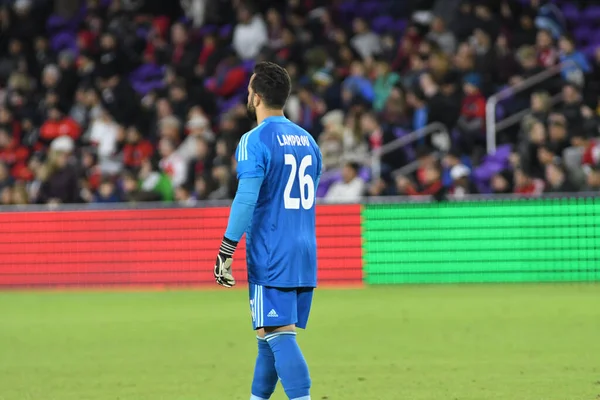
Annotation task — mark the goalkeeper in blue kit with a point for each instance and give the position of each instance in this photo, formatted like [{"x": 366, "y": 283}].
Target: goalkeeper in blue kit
[{"x": 278, "y": 167}]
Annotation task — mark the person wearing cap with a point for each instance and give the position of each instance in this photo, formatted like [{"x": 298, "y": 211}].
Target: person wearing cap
[
  {"x": 197, "y": 128},
  {"x": 59, "y": 178},
  {"x": 461, "y": 182},
  {"x": 449, "y": 160}
]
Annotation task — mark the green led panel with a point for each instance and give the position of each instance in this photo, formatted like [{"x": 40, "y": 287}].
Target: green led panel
[{"x": 549, "y": 240}]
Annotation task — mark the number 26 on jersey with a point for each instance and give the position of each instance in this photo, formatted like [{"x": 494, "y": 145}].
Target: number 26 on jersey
[{"x": 307, "y": 184}]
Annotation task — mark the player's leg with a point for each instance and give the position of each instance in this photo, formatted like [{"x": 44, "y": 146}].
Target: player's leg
[
  {"x": 291, "y": 310},
  {"x": 265, "y": 374}
]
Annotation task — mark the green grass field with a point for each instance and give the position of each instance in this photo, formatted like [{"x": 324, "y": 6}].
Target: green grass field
[{"x": 504, "y": 342}]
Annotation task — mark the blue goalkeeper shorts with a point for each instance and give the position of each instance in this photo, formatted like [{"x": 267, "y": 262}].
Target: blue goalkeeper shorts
[{"x": 272, "y": 307}]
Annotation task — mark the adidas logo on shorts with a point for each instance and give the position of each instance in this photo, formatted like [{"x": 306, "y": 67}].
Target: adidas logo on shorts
[{"x": 272, "y": 314}]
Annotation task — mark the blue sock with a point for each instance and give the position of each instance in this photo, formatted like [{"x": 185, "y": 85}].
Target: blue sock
[
  {"x": 290, "y": 364},
  {"x": 265, "y": 375}
]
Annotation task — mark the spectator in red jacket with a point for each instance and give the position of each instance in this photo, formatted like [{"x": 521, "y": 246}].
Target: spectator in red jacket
[
  {"x": 137, "y": 149},
  {"x": 209, "y": 45},
  {"x": 11, "y": 152},
  {"x": 525, "y": 184},
  {"x": 57, "y": 125},
  {"x": 471, "y": 123},
  {"x": 432, "y": 185},
  {"x": 229, "y": 78},
  {"x": 547, "y": 54},
  {"x": 10, "y": 124},
  {"x": 590, "y": 148}
]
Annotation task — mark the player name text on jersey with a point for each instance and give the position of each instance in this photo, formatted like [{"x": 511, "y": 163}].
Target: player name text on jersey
[{"x": 293, "y": 140}]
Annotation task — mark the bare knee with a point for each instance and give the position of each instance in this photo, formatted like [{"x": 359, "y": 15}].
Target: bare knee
[{"x": 261, "y": 332}]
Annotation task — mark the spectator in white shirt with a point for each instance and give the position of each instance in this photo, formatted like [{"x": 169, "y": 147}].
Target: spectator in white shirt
[
  {"x": 443, "y": 37},
  {"x": 104, "y": 133},
  {"x": 366, "y": 42},
  {"x": 198, "y": 127},
  {"x": 171, "y": 163},
  {"x": 250, "y": 34},
  {"x": 350, "y": 189}
]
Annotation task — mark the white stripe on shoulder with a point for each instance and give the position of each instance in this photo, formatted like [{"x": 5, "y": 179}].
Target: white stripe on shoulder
[
  {"x": 241, "y": 148},
  {"x": 243, "y": 152}
]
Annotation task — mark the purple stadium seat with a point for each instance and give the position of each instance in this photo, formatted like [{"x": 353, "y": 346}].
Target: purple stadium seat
[
  {"x": 207, "y": 29},
  {"x": 143, "y": 88},
  {"x": 571, "y": 12},
  {"x": 369, "y": 9},
  {"x": 365, "y": 173},
  {"x": 225, "y": 30},
  {"x": 501, "y": 155},
  {"x": 328, "y": 178},
  {"x": 228, "y": 104},
  {"x": 185, "y": 20},
  {"x": 347, "y": 9},
  {"x": 582, "y": 34},
  {"x": 591, "y": 15},
  {"x": 399, "y": 26},
  {"x": 590, "y": 51},
  {"x": 382, "y": 24},
  {"x": 64, "y": 41},
  {"x": 248, "y": 65},
  {"x": 142, "y": 32},
  {"x": 485, "y": 171},
  {"x": 56, "y": 23},
  {"x": 148, "y": 72}
]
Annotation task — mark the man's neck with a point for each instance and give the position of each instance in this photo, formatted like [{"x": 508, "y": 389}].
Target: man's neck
[{"x": 264, "y": 114}]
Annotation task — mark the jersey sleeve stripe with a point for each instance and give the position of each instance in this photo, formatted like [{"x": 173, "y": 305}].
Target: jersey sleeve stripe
[
  {"x": 243, "y": 145},
  {"x": 241, "y": 148},
  {"x": 245, "y": 153}
]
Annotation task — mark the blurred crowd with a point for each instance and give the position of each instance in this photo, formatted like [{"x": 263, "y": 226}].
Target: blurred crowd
[{"x": 131, "y": 100}]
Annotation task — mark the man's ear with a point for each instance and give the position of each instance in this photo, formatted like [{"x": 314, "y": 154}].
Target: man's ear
[{"x": 257, "y": 100}]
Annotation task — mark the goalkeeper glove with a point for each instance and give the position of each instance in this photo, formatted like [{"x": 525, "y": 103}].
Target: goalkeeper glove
[{"x": 222, "y": 270}]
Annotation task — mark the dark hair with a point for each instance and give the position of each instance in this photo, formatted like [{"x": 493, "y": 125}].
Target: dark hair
[
  {"x": 568, "y": 38},
  {"x": 272, "y": 83},
  {"x": 354, "y": 165}
]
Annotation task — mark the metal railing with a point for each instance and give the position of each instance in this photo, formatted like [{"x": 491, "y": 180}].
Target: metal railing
[
  {"x": 413, "y": 166},
  {"x": 435, "y": 127},
  {"x": 493, "y": 126}
]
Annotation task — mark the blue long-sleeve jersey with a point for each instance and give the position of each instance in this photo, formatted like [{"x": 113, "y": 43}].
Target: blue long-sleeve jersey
[{"x": 279, "y": 166}]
